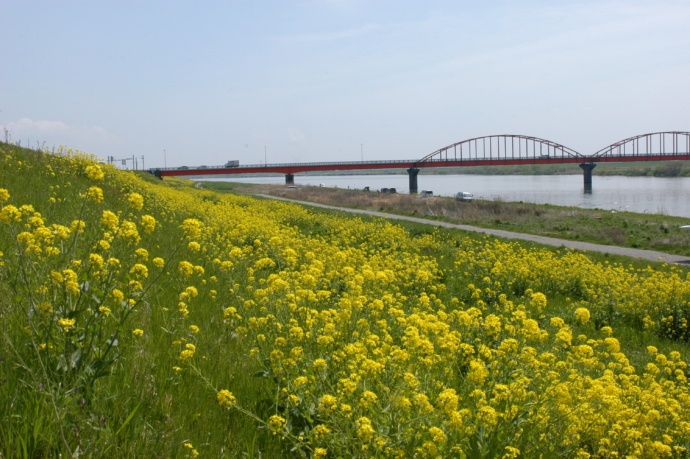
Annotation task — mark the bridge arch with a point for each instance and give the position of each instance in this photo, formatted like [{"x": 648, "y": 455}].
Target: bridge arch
[
  {"x": 501, "y": 147},
  {"x": 647, "y": 146}
]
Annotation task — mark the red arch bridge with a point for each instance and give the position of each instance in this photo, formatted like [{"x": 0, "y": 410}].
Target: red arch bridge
[{"x": 493, "y": 150}]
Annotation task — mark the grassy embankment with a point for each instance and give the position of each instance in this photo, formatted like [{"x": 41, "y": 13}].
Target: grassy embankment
[
  {"x": 626, "y": 229},
  {"x": 146, "y": 318}
]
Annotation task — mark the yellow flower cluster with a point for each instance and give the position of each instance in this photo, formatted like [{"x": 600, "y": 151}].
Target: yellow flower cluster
[
  {"x": 136, "y": 201},
  {"x": 376, "y": 342},
  {"x": 93, "y": 194},
  {"x": 225, "y": 398},
  {"x": 94, "y": 172},
  {"x": 78, "y": 264}
]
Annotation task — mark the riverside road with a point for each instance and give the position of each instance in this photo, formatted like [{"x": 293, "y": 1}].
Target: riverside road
[{"x": 650, "y": 255}]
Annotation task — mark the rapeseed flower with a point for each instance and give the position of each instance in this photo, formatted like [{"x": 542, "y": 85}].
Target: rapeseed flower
[
  {"x": 94, "y": 194},
  {"x": 148, "y": 224},
  {"x": 109, "y": 219},
  {"x": 185, "y": 268},
  {"x": 139, "y": 270},
  {"x": 538, "y": 300},
  {"x": 320, "y": 365},
  {"x": 94, "y": 172},
  {"x": 357, "y": 315},
  {"x": 96, "y": 260},
  {"x": 192, "y": 227},
  {"x": 320, "y": 431},
  {"x": 226, "y": 398},
  {"x": 136, "y": 201},
  {"x": 368, "y": 398},
  {"x": 45, "y": 308},
  {"x": 365, "y": 431},
  {"x": 10, "y": 214},
  {"x": 582, "y": 315},
  {"x": 438, "y": 436},
  {"x": 328, "y": 403},
  {"x": 194, "y": 452},
  {"x": 66, "y": 324},
  {"x": 276, "y": 424},
  {"x": 188, "y": 352}
]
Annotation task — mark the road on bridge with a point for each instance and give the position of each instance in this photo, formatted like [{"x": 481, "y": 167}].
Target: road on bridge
[{"x": 493, "y": 150}]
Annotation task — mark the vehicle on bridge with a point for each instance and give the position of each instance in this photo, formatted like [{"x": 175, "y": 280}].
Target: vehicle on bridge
[{"x": 493, "y": 150}]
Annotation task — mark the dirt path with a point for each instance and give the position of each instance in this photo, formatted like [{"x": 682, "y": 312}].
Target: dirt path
[{"x": 650, "y": 255}]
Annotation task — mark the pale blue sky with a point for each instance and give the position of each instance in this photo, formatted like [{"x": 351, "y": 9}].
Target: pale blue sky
[{"x": 314, "y": 80}]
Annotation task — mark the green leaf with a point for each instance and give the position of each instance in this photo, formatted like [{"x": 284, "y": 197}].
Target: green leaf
[
  {"x": 129, "y": 418},
  {"x": 75, "y": 358}
]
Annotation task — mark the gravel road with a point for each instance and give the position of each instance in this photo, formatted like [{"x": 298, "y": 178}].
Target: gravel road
[{"x": 650, "y": 255}]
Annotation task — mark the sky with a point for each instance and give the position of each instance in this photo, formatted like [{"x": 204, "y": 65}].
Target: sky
[{"x": 175, "y": 83}]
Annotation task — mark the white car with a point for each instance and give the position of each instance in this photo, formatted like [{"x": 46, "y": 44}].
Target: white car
[{"x": 464, "y": 196}]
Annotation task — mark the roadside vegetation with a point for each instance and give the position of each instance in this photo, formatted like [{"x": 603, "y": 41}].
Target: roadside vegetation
[
  {"x": 148, "y": 318},
  {"x": 662, "y": 233}
]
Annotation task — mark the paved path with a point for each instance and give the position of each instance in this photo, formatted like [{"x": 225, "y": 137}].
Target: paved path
[{"x": 577, "y": 245}]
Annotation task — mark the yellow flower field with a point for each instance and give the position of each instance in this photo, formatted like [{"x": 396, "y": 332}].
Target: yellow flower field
[{"x": 152, "y": 318}]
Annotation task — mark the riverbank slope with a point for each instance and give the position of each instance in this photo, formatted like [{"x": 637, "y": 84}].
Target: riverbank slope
[{"x": 653, "y": 232}]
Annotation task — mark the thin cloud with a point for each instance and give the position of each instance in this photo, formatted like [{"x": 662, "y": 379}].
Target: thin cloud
[
  {"x": 27, "y": 125},
  {"x": 58, "y": 132},
  {"x": 296, "y": 135},
  {"x": 331, "y": 36}
]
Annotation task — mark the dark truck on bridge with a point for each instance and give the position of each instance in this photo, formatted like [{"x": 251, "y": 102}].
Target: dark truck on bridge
[{"x": 232, "y": 163}]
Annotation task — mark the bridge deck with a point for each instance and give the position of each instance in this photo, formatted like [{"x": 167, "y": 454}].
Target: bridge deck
[
  {"x": 495, "y": 150},
  {"x": 371, "y": 165}
]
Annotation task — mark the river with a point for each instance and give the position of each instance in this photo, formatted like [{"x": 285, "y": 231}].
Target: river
[{"x": 657, "y": 195}]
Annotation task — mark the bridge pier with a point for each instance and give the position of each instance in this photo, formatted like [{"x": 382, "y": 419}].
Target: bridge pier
[
  {"x": 412, "y": 172},
  {"x": 587, "y": 170},
  {"x": 289, "y": 179}
]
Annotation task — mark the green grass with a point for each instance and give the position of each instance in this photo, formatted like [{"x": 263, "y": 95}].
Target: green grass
[
  {"x": 141, "y": 405},
  {"x": 225, "y": 187},
  {"x": 625, "y": 229}
]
